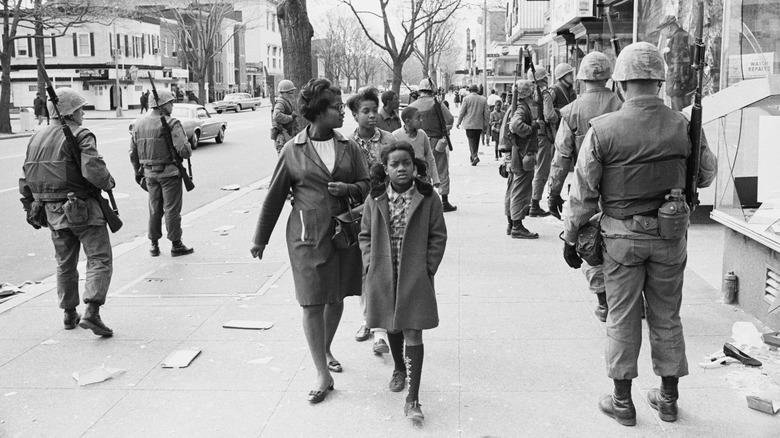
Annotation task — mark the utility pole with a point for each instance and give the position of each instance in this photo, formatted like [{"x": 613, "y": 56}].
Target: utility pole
[
  {"x": 118, "y": 94},
  {"x": 484, "y": 47}
]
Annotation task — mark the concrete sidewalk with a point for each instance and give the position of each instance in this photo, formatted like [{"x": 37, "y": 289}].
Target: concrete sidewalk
[{"x": 518, "y": 351}]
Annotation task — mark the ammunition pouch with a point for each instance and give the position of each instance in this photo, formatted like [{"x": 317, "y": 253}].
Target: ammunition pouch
[
  {"x": 589, "y": 244},
  {"x": 36, "y": 215}
]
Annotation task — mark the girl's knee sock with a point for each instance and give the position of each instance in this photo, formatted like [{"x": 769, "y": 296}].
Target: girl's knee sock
[
  {"x": 414, "y": 354},
  {"x": 396, "y": 341}
]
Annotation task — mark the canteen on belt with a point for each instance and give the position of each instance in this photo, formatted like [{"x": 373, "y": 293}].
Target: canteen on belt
[{"x": 673, "y": 216}]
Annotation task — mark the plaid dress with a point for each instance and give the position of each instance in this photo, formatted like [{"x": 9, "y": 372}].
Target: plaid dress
[{"x": 398, "y": 204}]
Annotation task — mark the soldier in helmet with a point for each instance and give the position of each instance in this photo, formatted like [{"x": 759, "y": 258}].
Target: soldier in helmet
[
  {"x": 285, "y": 114},
  {"x": 433, "y": 126},
  {"x": 629, "y": 161},
  {"x": 596, "y": 99},
  {"x": 65, "y": 185},
  {"x": 157, "y": 173},
  {"x": 562, "y": 91},
  {"x": 520, "y": 162},
  {"x": 545, "y": 137}
]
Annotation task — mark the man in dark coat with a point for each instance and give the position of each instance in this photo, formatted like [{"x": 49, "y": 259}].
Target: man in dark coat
[{"x": 680, "y": 78}]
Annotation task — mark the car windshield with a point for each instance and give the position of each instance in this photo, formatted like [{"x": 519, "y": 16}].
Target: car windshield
[
  {"x": 233, "y": 96},
  {"x": 180, "y": 113}
]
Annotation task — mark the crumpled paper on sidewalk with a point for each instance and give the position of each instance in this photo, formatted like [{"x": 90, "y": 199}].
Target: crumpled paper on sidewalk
[
  {"x": 8, "y": 289},
  {"x": 96, "y": 375}
]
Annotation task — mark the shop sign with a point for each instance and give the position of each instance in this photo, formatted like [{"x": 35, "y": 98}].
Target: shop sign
[
  {"x": 180, "y": 73},
  {"x": 563, "y": 12},
  {"x": 754, "y": 65},
  {"x": 94, "y": 73}
]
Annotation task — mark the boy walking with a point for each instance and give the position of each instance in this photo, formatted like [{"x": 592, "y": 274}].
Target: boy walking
[
  {"x": 496, "y": 116},
  {"x": 419, "y": 140}
]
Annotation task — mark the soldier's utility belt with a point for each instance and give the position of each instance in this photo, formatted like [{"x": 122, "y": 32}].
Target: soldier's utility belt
[{"x": 156, "y": 167}]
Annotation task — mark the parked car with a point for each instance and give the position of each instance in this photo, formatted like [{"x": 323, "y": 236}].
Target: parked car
[
  {"x": 197, "y": 123},
  {"x": 237, "y": 102}
]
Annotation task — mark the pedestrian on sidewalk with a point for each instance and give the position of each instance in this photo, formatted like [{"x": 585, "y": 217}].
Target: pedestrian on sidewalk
[
  {"x": 65, "y": 183},
  {"x": 475, "y": 118},
  {"x": 544, "y": 115},
  {"x": 155, "y": 170},
  {"x": 326, "y": 173},
  {"x": 496, "y": 116},
  {"x": 388, "y": 119},
  {"x": 39, "y": 105},
  {"x": 412, "y": 134},
  {"x": 145, "y": 102},
  {"x": 631, "y": 161},
  {"x": 371, "y": 140},
  {"x": 402, "y": 240},
  {"x": 596, "y": 99},
  {"x": 437, "y": 129}
]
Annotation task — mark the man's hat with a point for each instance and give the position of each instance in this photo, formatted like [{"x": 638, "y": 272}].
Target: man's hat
[{"x": 669, "y": 19}]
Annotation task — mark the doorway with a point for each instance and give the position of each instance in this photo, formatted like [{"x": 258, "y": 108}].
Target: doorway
[{"x": 113, "y": 96}]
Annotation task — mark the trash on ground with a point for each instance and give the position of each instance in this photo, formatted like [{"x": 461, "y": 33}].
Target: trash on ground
[
  {"x": 746, "y": 334},
  {"x": 231, "y": 187},
  {"x": 50, "y": 342},
  {"x": 180, "y": 358},
  {"x": 763, "y": 404},
  {"x": 249, "y": 325},
  {"x": 8, "y": 394},
  {"x": 8, "y": 289},
  {"x": 772, "y": 338},
  {"x": 240, "y": 211},
  {"x": 96, "y": 375},
  {"x": 732, "y": 351},
  {"x": 224, "y": 229},
  {"x": 262, "y": 360}
]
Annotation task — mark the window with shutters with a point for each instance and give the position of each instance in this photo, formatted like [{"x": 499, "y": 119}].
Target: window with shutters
[
  {"x": 49, "y": 47},
  {"x": 23, "y": 48},
  {"x": 83, "y": 45}
]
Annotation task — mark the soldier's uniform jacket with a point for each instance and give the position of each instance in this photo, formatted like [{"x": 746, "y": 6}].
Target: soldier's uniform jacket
[
  {"x": 524, "y": 135},
  {"x": 51, "y": 172},
  {"x": 630, "y": 160},
  {"x": 680, "y": 76},
  {"x": 550, "y": 116},
  {"x": 562, "y": 95},
  {"x": 575, "y": 118},
  {"x": 283, "y": 112},
  {"x": 149, "y": 151},
  {"x": 430, "y": 119}
]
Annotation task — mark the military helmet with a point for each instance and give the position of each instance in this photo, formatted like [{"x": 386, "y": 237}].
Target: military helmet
[
  {"x": 639, "y": 61},
  {"x": 595, "y": 66},
  {"x": 562, "y": 70},
  {"x": 425, "y": 85},
  {"x": 69, "y": 101},
  {"x": 524, "y": 88},
  {"x": 163, "y": 97},
  {"x": 541, "y": 74},
  {"x": 286, "y": 85}
]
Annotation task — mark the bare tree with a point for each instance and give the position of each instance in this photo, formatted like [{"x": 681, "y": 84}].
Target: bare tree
[
  {"x": 297, "y": 33},
  {"x": 52, "y": 17},
  {"x": 433, "y": 44},
  {"x": 415, "y": 21}
]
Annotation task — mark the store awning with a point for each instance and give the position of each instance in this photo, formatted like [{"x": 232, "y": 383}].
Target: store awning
[{"x": 546, "y": 39}]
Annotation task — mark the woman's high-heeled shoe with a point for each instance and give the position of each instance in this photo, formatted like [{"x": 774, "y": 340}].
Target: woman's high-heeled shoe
[{"x": 318, "y": 396}]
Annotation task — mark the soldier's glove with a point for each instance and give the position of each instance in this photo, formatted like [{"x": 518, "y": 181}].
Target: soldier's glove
[
  {"x": 555, "y": 203},
  {"x": 138, "y": 178},
  {"x": 570, "y": 255}
]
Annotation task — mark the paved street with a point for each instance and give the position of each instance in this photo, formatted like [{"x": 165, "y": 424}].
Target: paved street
[{"x": 518, "y": 352}]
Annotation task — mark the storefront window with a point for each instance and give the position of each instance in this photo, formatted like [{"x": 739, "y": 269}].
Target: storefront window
[{"x": 751, "y": 40}]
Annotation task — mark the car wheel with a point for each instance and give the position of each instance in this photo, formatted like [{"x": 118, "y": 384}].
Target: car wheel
[
  {"x": 254, "y": 107},
  {"x": 238, "y": 108},
  {"x": 220, "y": 135},
  {"x": 219, "y": 111},
  {"x": 194, "y": 140}
]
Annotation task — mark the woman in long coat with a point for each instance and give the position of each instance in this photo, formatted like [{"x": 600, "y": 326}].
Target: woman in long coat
[{"x": 326, "y": 172}]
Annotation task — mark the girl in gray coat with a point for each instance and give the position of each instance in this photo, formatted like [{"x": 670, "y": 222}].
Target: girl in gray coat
[{"x": 402, "y": 240}]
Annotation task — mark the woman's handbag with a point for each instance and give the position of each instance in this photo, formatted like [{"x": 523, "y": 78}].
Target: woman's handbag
[{"x": 346, "y": 227}]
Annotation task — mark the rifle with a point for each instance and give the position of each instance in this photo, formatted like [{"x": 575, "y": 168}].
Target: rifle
[
  {"x": 614, "y": 40},
  {"x": 540, "y": 99},
  {"x": 692, "y": 172},
  {"x": 110, "y": 212},
  {"x": 177, "y": 160},
  {"x": 440, "y": 115}
]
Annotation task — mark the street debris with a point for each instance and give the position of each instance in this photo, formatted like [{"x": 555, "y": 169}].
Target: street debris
[
  {"x": 763, "y": 404},
  {"x": 772, "y": 338},
  {"x": 96, "y": 375},
  {"x": 223, "y": 230},
  {"x": 180, "y": 358},
  {"x": 8, "y": 394},
  {"x": 50, "y": 342},
  {"x": 8, "y": 289},
  {"x": 248, "y": 325},
  {"x": 231, "y": 187},
  {"x": 240, "y": 211},
  {"x": 261, "y": 361}
]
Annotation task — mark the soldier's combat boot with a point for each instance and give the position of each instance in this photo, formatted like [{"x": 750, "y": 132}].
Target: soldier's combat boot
[
  {"x": 179, "y": 249},
  {"x": 602, "y": 309},
  {"x": 71, "y": 319},
  {"x": 509, "y": 226},
  {"x": 154, "y": 250},
  {"x": 447, "y": 207},
  {"x": 536, "y": 210},
  {"x": 664, "y": 400},
  {"x": 521, "y": 232},
  {"x": 619, "y": 404},
  {"x": 92, "y": 321}
]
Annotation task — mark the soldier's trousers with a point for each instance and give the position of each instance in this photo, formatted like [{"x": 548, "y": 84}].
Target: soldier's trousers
[
  {"x": 655, "y": 266},
  {"x": 518, "y": 194},
  {"x": 97, "y": 248},
  {"x": 595, "y": 277},
  {"x": 165, "y": 199},
  {"x": 443, "y": 167},
  {"x": 542, "y": 169}
]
